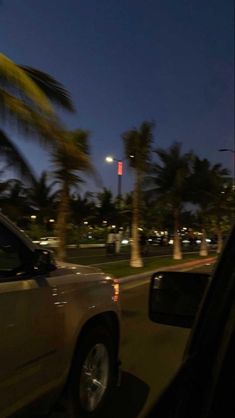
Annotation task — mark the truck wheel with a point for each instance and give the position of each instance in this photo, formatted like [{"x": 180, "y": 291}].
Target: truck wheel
[{"x": 92, "y": 371}]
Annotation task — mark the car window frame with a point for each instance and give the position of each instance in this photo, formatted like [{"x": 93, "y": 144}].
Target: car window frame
[{"x": 24, "y": 253}]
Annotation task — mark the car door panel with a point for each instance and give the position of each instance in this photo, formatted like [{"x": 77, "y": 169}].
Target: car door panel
[{"x": 29, "y": 339}]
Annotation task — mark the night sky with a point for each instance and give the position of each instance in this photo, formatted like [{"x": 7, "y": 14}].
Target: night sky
[{"x": 126, "y": 61}]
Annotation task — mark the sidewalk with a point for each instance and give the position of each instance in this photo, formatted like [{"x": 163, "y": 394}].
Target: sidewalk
[{"x": 179, "y": 267}]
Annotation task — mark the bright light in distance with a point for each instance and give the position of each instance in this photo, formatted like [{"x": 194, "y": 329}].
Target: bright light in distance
[
  {"x": 51, "y": 220},
  {"x": 33, "y": 217},
  {"x": 125, "y": 241},
  {"x": 109, "y": 159},
  {"x": 113, "y": 226},
  {"x": 85, "y": 223},
  {"x": 171, "y": 241}
]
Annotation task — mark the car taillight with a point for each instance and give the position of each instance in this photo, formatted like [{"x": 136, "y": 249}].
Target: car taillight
[{"x": 116, "y": 291}]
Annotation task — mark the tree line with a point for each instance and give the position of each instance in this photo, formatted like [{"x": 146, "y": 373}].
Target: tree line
[{"x": 166, "y": 181}]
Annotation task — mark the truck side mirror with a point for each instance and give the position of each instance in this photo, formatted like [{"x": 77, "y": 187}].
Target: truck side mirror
[
  {"x": 44, "y": 261},
  {"x": 174, "y": 297}
]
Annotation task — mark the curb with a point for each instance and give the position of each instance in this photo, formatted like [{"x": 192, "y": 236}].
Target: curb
[{"x": 146, "y": 274}]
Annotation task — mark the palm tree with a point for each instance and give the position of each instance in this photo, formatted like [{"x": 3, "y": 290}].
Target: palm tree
[
  {"x": 168, "y": 183},
  {"x": 14, "y": 200},
  {"x": 137, "y": 145},
  {"x": 13, "y": 158},
  {"x": 69, "y": 158},
  {"x": 107, "y": 211},
  {"x": 124, "y": 212},
  {"x": 83, "y": 208},
  {"x": 42, "y": 197},
  {"x": 157, "y": 215},
  {"x": 26, "y": 97},
  {"x": 207, "y": 190},
  {"x": 221, "y": 211}
]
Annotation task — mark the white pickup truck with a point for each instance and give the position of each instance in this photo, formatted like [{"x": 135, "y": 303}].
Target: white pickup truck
[{"x": 59, "y": 330}]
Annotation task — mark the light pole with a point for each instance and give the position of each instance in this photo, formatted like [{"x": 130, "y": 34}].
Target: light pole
[
  {"x": 111, "y": 159},
  {"x": 233, "y": 152}
]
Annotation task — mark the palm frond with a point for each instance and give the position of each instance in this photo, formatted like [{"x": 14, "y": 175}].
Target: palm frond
[
  {"x": 137, "y": 144},
  {"x": 14, "y": 158},
  {"x": 73, "y": 152},
  {"x": 15, "y": 77},
  {"x": 30, "y": 122},
  {"x": 54, "y": 90}
]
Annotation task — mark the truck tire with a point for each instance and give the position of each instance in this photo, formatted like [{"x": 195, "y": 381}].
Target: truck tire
[{"x": 92, "y": 374}]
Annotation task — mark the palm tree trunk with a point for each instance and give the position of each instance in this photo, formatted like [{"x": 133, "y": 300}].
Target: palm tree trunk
[
  {"x": 62, "y": 222},
  {"x": 177, "y": 253},
  {"x": 203, "y": 246},
  {"x": 219, "y": 240},
  {"x": 136, "y": 260}
]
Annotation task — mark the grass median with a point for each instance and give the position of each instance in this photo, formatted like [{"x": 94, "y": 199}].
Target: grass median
[{"x": 122, "y": 268}]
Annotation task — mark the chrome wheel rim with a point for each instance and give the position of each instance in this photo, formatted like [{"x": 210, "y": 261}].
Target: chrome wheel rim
[{"x": 94, "y": 377}]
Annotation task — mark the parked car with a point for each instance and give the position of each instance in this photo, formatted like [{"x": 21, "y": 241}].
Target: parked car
[
  {"x": 59, "y": 327},
  {"x": 204, "y": 385},
  {"x": 52, "y": 242}
]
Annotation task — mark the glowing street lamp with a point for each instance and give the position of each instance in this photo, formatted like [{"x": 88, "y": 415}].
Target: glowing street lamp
[{"x": 109, "y": 159}]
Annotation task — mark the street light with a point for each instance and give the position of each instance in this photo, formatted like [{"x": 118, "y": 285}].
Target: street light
[
  {"x": 110, "y": 159},
  {"x": 233, "y": 152}
]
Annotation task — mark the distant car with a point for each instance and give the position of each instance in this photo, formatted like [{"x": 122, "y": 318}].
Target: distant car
[
  {"x": 204, "y": 386},
  {"x": 156, "y": 240},
  {"x": 59, "y": 327},
  {"x": 52, "y": 242},
  {"x": 35, "y": 241},
  {"x": 153, "y": 240}
]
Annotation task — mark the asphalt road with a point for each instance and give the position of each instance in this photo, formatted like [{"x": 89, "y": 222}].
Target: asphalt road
[{"x": 150, "y": 355}]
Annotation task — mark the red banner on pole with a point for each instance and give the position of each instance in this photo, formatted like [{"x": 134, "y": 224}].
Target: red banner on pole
[{"x": 120, "y": 168}]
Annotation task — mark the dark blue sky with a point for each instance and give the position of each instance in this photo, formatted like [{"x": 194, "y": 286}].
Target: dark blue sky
[{"x": 125, "y": 61}]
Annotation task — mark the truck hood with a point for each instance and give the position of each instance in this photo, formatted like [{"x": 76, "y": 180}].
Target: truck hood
[{"x": 71, "y": 277}]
